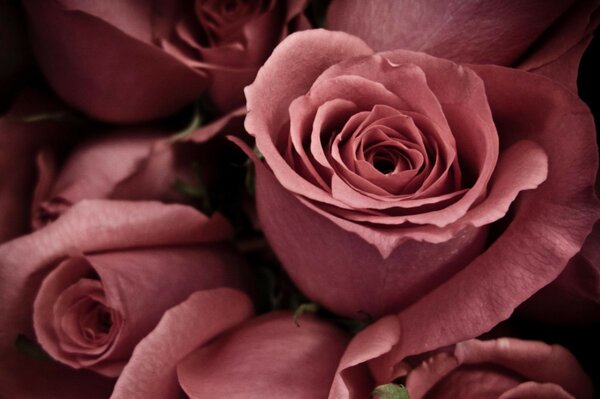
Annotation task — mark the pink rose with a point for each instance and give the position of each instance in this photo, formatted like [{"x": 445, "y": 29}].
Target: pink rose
[
  {"x": 398, "y": 180},
  {"x": 95, "y": 282},
  {"x": 503, "y": 368},
  {"x": 539, "y": 36},
  {"x": 142, "y": 60},
  {"x": 266, "y": 357}
]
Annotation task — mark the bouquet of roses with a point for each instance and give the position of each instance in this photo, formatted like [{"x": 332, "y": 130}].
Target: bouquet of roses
[{"x": 338, "y": 199}]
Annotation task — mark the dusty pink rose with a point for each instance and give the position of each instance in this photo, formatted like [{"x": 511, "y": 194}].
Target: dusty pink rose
[
  {"x": 92, "y": 284},
  {"x": 141, "y": 60},
  {"x": 266, "y": 357},
  {"x": 504, "y": 368},
  {"x": 20, "y": 142},
  {"x": 384, "y": 173},
  {"x": 540, "y": 36}
]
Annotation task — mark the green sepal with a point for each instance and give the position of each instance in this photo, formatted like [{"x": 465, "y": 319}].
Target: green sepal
[{"x": 390, "y": 391}]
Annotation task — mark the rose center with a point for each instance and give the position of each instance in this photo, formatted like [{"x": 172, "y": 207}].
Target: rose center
[{"x": 383, "y": 164}]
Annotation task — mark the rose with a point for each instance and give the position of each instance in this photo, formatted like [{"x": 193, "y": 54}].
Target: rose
[
  {"x": 503, "y": 368},
  {"x": 362, "y": 223},
  {"x": 268, "y": 356},
  {"x": 100, "y": 278},
  {"x": 21, "y": 140},
  {"x": 546, "y": 38},
  {"x": 142, "y": 60}
]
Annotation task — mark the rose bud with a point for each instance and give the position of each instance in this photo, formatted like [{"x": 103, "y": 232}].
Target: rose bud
[
  {"x": 501, "y": 368},
  {"x": 138, "y": 61},
  {"x": 100, "y": 278},
  {"x": 548, "y": 38},
  {"x": 116, "y": 165},
  {"x": 268, "y": 356},
  {"x": 22, "y": 136}
]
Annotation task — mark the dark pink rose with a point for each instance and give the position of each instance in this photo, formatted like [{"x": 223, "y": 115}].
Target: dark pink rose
[
  {"x": 266, "y": 357},
  {"x": 544, "y": 37},
  {"x": 398, "y": 180},
  {"x": 21, "y": 139},
  {"x": 505, "y": 368},
  {"x": 92, "y": 284},
  {"x": 142, "y": 60}
]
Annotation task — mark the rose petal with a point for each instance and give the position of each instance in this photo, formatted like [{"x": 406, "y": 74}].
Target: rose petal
[
  {"x": 486, "y": 33},
  {"x": 151, "y": 371},
  {"x": 268, "y": 356}
]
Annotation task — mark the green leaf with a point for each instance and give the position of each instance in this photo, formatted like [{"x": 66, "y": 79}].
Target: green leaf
[
  {"x": 305, "y": 307},
  {"x": 390, "y": 391},
  {"x": 31, "y": 348}
]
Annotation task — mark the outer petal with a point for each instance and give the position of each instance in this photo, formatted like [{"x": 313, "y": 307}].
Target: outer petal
[
  {"x": 341, "y": 269},
  {"x": 150, "y": 372},
  {"x": 268, "y": 357},
  {"x": 489, "y": 32},
  {"x": 574, "y": 297},
  {"x": 103, "y": 71},
  {"x": 559, "y": 53}
]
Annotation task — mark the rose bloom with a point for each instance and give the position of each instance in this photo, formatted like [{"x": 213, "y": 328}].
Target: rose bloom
[
  {"x": 544, "y": 37},
  {"x": 398, "y": 180},
  {"x": 502, "y": 368},
  {"x": 95, "y": 282},
  {"x": 140, "y": 60},
  {"x": 265, "y": 357}
]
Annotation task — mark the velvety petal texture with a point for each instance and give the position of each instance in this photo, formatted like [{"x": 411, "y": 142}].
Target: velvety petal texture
[
  {"x": 269, "y": 356},
  {"x": 548, "y": 38},
  {"x": 93, "y": 272},
  {"x": 141, "y": 61},
  {"x": 21, "y": 141},
  {"x": 393, "y": 167},
  {"x": 151, "y": 371},
  {"x": 574, "y": 297}
]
